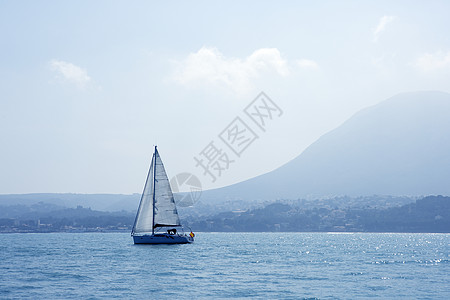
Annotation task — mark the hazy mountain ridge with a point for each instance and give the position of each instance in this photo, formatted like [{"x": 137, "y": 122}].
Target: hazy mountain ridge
[
  {"x": 400, "y": 146},
  {"x": 102, "y": 202}
]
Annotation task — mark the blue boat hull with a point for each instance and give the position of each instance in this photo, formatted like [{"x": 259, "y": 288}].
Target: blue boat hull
[{"x": 162, "y": 239}]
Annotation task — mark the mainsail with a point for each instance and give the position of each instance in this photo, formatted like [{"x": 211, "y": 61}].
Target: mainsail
[{"x": 157, "y": 207}]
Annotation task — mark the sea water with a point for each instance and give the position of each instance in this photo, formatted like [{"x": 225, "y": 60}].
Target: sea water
[{"x": 226, "y": 265}]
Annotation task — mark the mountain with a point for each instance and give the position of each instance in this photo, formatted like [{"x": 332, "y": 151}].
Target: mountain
[
  {"x": 103, "y": 202},
  {"x": 400, "y": 146}
]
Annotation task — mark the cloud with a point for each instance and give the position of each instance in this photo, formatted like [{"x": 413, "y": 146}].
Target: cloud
[
  {"x": 70, "y": 72},
  {"x": 307, "y": 64},
  {"x": 384, "y": 21},
  {"x": 431, "y": 62},
  {"x": 208, "y": 66}
]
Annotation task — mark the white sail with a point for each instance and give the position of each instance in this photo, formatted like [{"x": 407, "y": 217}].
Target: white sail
[
  {"x": 165, "y": 210},
  {"x": 157, "y": 207}
]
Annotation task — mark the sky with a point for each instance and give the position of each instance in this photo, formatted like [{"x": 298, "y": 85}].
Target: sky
[{"x": 87, "y": 88}]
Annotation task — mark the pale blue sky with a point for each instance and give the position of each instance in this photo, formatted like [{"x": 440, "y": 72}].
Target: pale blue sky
[{"x": 88, "y": 87}]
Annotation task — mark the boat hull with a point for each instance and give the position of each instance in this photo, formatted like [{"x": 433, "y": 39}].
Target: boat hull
[{"x": 162, "y": 239}]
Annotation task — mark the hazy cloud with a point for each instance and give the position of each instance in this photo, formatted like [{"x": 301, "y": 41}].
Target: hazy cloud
[
  {"x": 70, "y": 72},
  {"x": 384, "y": 21},
  {"x": 431, "y": 62},
  {"x": 210, "y": 66},
  {"x": 307, "y": 64}
]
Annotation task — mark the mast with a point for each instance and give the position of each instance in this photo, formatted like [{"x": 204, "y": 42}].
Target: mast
[{"x": 154, "y": 190}]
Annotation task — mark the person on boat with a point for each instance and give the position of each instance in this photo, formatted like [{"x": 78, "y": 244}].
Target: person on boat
[{"x": 172, "y": 231}]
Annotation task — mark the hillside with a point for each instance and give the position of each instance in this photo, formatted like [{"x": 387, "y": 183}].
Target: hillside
[{"x": 430, "y": 214}]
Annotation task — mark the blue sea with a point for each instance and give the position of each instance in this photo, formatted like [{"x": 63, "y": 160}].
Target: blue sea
[{"x": 226, "y": 265}]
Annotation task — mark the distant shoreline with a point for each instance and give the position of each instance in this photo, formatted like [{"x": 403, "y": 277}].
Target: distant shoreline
[{"x": 265, "y": 232}]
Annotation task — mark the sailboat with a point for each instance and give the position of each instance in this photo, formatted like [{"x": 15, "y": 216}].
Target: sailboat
[{"x": 157, "y": 220}]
